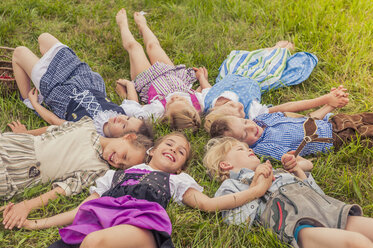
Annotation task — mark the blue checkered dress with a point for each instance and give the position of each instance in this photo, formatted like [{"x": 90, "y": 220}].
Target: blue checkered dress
[
  {"x": 67, "y": 74},
  {"x": 283, "y": 134}
]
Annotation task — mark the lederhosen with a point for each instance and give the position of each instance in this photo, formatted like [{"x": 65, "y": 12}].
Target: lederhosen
[
  {"x": 345, "y": 128},
  {"x": 298, "y": 204}
]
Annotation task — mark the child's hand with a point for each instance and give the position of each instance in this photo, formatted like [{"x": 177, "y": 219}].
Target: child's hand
[
  {"x": 15, "y": 214},
  {"x": 121, "y": 88},
  {"x": 201, "y": 73},
  {"x": 289, "y": 161},
  {"x": 124, "y": 82},
  {"x": 33, "y": 96},
  {"x": 17, "y": 127},
  {"x": 338, "y": 97},
  {"x": 265, "y": 170},
  {"x": 263, "y": 177}
]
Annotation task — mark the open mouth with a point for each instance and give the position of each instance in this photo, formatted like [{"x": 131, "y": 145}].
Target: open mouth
[
  {"x": 111, "y": 157},
  {"x": 169, "y": 156}
]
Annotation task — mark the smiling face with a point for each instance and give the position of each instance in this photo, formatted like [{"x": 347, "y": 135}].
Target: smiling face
[
  {"x": 244, "y": 130},
  {"x": 240, "y": 156},
  {"x": 121, "y": 153},
  {"x": 170, "y": 155},
  {"x": 120, "y": 125}
]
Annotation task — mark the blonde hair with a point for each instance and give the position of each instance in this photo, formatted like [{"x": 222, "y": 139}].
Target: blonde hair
[
  {"x": 216, "y": 150},
  {"x": 188, "y": 118}
]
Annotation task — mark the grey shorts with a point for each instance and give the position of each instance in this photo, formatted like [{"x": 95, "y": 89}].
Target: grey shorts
[{"x": 298, "y": 204}]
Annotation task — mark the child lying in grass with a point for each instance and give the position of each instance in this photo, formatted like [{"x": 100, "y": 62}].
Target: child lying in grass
[
  {"x": 70, "y": 88},
  {"x": 166, "y": 88},
  {"x": 127, "y": 208},
  {"x": 275, "y": 134},
  {"x": 71, "y": 156},
  {"x": 293, "y": 205}
]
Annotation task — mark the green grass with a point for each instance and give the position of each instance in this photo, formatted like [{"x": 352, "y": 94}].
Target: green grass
[{"x": 202, "y": 33}]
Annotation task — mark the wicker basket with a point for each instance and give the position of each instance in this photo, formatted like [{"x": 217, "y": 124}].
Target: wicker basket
[{"x": 7, "y": 81}]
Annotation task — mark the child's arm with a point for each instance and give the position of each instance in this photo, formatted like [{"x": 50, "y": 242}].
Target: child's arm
[
  {"x": 56, "y": 220},
  {"x": 321, "y": 112},
  {"x": 18, "y": 127},
  {"x": 258, "y": 188},
  {"x": 202, "y": 76},
  {"x": 337, "y": 98},
  {"x": 47, "y": 115},
  {"x": 16, "y": 214},
  {"x": 129, "y": 88}
]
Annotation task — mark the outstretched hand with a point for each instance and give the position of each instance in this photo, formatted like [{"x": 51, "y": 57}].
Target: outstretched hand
[
  {"x": 15, "y": 215},
  {"x": 201, "y": 73},
  {"x": 289, "y": 161},
  {"x": 17, "y": 127},
  {"x": 338, "y": 97}
]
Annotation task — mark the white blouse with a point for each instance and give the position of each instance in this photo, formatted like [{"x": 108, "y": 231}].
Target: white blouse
[{"x": 155, "y": 109}]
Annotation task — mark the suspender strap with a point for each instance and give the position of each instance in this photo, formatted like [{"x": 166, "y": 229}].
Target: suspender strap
[
  {"x": 310, "y": 135},
  {"x": 195, "y": 101}
]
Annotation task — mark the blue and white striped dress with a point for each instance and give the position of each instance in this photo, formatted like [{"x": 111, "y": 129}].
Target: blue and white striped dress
[{"x": 270, "y": 68}]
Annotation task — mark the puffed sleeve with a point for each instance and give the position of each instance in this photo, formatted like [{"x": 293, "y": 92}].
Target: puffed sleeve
[
  {"x": 103, "y": 183},
  {"x": 179, "y": 184},
  {"x": 243, "y": 214},
  {"x": 134, "y": 109}
]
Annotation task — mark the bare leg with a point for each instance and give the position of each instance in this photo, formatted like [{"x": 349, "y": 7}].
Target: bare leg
[
  {"x": 330, "y": 237},
  {"x": 121, "y": 236},
  {"x": 361, "y": 225},
  {"x": 46, "y": 41},
  {"x": 138, "y": 60},
  {"x": 152, "y": 45},
  {"x": 23, "y": 61}
]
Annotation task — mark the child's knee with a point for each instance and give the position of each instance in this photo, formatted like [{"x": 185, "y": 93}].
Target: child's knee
[
  {"x": 357, "y": 240},
  {"x": 92, "y": 240},
  {"x": 44, "y": 36},
  {"x": 19, "y": 52},
  {"x": 152, "y": 45}
]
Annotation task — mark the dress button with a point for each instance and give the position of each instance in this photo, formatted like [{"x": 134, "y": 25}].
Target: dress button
[{"x": 37, "y": 164}]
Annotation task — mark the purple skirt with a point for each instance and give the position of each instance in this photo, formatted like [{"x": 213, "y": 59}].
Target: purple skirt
[{"x": 107, "y": 212}]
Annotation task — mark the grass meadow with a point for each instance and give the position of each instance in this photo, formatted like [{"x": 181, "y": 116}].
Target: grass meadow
[{"x": 202, "y": 33}]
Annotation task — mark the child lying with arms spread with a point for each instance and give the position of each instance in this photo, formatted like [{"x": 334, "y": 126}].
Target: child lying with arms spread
[{"x": 293, "y": 206}]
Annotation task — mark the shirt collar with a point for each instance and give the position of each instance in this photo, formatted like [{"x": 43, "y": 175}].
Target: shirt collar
[{"x": 238, "y": 175}]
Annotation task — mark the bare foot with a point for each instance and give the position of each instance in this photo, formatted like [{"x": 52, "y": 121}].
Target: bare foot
[
  {"x": 122, "y": 18},
  {"x": 140, "y": 19},
  {"x": 284, "y": 44}
]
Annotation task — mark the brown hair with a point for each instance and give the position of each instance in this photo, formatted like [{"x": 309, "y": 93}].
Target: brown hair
[
  {"x": 161, "y": 139},
  {"x": 141, "y": 141},
  {"x": 185, "y": 119},
  {"x": 216, "y": 150},
  {"x": 220, "y": 126},
  {"x": 146, "y": 129},
  {"x": 210, "y": 118}
]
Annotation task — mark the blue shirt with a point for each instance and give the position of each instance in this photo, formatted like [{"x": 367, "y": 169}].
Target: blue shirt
[
  {"x": 246, "y": 89},
  {"x": 282, "y": 134}
]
